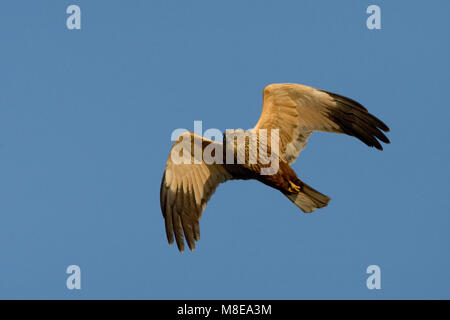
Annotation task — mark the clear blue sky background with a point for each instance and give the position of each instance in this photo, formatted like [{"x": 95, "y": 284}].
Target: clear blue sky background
[{"x": 85, "y": 124}]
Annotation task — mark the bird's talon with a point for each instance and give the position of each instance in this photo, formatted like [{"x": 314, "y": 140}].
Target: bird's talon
[{"x": 294, "y": 188}]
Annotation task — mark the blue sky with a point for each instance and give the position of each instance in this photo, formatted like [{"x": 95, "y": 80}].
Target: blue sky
[{"x": 85, "y": 123}]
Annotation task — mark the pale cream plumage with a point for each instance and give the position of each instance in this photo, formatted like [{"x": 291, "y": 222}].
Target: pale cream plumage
[
  {"x": 298, "y": 110},
  {"x": 185, "y": 190}
]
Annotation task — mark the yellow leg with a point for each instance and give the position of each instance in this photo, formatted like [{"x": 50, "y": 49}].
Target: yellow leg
[{"x": 294, "y": 188}]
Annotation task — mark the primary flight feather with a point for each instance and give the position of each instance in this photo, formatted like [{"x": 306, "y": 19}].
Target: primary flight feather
[{"x": 291, "y": 112}]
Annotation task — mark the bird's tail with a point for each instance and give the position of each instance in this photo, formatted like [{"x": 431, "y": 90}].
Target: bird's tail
[{"x": 308, "y": 199}]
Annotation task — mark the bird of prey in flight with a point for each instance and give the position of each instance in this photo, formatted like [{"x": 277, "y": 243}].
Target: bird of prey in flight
[{"x": 291, "y": 112}]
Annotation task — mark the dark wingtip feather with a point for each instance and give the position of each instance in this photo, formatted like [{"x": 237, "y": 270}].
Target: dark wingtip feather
[
  {"x": 196, "y": 231},
  {"x": 346, "y": 100},
  {"x": 355, "y": 120}
]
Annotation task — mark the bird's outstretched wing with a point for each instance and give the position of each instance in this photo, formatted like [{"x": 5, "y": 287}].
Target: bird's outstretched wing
[
  {"x": 298, "y": 110},
  {"x": 186, "y": 187}
]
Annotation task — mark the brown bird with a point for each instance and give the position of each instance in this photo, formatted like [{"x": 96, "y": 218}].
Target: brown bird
[{"x": 291, "y": 112}]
